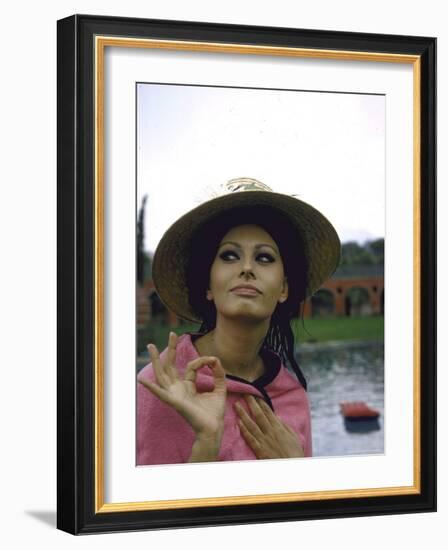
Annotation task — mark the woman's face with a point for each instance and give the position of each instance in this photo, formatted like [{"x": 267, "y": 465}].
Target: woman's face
[{"x": 247, "y": 279}]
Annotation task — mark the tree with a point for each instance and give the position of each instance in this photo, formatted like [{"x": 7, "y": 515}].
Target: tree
[
  {"x": 140, "y": 242},
  {"x": 377, "y": 249},
  {"x": 371, "y": 253}
]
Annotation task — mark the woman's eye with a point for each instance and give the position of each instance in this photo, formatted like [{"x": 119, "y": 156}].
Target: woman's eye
[
  {"x": 228, "y": 255},
  {"x": 264, "y": 257},
  {"x": 232, "y": 255}
]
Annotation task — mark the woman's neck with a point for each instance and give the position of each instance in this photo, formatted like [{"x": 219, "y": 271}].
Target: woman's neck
[{"x": 237, "y": 346}]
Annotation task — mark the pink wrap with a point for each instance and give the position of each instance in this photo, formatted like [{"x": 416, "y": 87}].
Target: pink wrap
[{"x": 164, "y": 437}]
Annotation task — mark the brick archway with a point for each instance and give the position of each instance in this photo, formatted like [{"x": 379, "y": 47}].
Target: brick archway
[
  {"x": 323, "y": 303},
  {"x": 339, "y": 287},
  {"x": 357, "y": 301}
]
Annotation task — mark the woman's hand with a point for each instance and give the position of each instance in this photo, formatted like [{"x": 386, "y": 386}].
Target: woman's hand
[
  {"x": 203, "y": 411},
  {"x": 265, "y": 433}
]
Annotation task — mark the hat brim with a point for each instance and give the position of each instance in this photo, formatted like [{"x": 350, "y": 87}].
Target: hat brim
[{"x": 321, "y": 244}]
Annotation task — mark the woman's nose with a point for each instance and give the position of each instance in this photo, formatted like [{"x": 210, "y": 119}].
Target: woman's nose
[{"x": 247, "y": 268}]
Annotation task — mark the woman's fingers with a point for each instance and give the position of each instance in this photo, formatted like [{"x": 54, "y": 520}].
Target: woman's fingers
[
  {"x": 162, "y": 378},
  {"x": 250, "y": 439},
  {"x": 169, "y": 363},
  {"x": 193, "y": 366},
  {"x": 258, "y": 413},
  {"x": 218, "y": 371},
  {"x": 270, "y": 415},
  {"x": 219, "y": 374},
  {"x": 165, "y": 371},
  {"x": 158, "y": 391},
  {"x": 246, "y": 421},
  {"x": 277, "y": 441}
]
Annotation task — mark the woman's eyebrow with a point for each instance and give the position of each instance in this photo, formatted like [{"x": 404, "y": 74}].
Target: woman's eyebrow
[{"x": 257, "y": 246}]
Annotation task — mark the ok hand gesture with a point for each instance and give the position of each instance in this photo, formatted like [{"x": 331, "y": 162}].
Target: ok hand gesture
[{"x": 203, "y": 411}]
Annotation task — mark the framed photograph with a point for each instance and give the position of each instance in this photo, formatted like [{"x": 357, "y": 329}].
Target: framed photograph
[{"x": 246, "y": 274}]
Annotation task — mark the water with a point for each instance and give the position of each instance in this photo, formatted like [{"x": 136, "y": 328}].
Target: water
[{"x": 345, "y": 374}]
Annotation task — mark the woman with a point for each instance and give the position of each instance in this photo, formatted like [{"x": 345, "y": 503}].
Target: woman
[{"x": 241, "y": 264}]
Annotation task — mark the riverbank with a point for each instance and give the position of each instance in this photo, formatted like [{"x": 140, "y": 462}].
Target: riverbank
[{"x": 335, "y": 345}]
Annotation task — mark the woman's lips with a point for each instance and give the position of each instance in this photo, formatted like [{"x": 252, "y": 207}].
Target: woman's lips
[{"x": 245, "y": 291}]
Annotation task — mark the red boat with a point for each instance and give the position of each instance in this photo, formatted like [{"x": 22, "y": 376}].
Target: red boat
[{"x": 358, "y": 410}]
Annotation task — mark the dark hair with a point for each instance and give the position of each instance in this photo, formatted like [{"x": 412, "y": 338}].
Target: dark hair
[{"x": 203, "y": 246}]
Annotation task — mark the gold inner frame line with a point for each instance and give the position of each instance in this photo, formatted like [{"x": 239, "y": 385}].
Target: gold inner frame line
[
  {"x": 284, "y": 51},
  {"x": 101, "y": 42}
]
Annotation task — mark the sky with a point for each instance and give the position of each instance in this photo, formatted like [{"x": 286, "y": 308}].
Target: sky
[{"x": 326, "y": 148}]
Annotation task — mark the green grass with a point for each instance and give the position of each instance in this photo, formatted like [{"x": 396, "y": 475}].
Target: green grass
[
  {"x": 316, "y": 330},
  {"x": 339, "y": 328}
]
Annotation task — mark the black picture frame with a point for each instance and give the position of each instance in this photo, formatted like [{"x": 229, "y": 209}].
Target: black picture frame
[{"x": 79, "y": 495}]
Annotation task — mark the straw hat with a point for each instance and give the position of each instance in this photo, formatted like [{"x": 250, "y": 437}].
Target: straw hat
[{"x": 321, "y": 243}]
